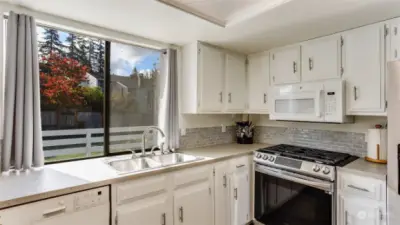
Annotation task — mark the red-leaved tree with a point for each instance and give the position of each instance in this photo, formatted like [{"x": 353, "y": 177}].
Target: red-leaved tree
[{"x": 60, "y": 79}]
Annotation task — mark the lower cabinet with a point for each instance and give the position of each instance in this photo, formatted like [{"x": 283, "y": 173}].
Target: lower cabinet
[
  {"x": 192, "y": 205},
  {"x": 204, "y": 195},
  {"x": 149, "y": 210},
  {"x": 357, "y": 211},
  {"x": 232, "y": 192}
]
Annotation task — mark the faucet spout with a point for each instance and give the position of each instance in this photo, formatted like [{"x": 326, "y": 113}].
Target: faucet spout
[{"x": 147, "y": 131}]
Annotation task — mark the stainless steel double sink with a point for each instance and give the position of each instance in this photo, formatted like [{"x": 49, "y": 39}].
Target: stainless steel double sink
[{"x": 150, "y": 162}]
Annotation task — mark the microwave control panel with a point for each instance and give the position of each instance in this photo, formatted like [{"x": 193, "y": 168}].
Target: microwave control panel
[{"x": 330, "y": 102}]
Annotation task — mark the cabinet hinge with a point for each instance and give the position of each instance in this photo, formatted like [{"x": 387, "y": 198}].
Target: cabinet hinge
[
  {"x": 214, "y": 172},
  {"x": 341, "y": 70},
  {"x": 395, "y": 31},
  {"x": 198, "y": 50},
  {"x": 209, "y": 190},
  {"x": 386, "y": 30},
  {"x": 116, "y": 220},
  {"x": 386, "y": 104},
  {"x": 247, "y": 61},
  {"x": 341, "y": 41},
  {"x": 273, "y": 56},
  {"x": 380, "y": 215},
  {"x": 247, "y": 177}
]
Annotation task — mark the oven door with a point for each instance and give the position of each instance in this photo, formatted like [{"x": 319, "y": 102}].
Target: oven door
[{"x": 287, "y": 198}]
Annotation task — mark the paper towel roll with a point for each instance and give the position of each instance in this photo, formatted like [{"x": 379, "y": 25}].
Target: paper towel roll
[{"x": 377, "y": 145}]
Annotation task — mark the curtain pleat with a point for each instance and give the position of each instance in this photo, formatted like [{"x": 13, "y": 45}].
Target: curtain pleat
[
  {"x": 22, "y": 145},
  {"x": 168, "y": 107}
]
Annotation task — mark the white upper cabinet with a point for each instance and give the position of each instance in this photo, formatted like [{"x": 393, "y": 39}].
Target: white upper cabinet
[
  {"x": 321, "y": 58},
  {"x": 258, "y": 82},
  {"x": 285, "y": 65},
  {"x": 394, "y": 52},
  {"x": 235, "y": 80},
  {"x": 364, "y": 70},
  {"x": 211, "y": 71}
]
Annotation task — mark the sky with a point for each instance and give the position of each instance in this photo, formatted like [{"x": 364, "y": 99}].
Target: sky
[{"x": 123, "y": 57}]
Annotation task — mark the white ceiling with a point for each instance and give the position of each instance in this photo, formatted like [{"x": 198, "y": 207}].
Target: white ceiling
[{"x": 283, "y": 22}]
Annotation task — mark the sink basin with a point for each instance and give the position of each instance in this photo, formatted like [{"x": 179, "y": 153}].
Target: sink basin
[
  {"x": 133, "y": 165},
  {"x": 150, "y": 162},
  {"x": 174, "y": 158}
]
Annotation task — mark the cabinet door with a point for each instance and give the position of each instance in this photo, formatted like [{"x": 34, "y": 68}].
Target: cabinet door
[
  {"x": 321, "y": 58},
  {"x": 394, "y": 52},
  {"x": 153, "y": 210},
  {"x": 221, "y": 194},
  {"x": 235, "y": 76},
  {"x": 193, "y": 205},
  {"x": 211, "y": 72},
  {"x": 364, "y": 70},
  {"x": 285, "y": 65},
  {"x": 355, "y": 211},
  {"x": 258, "y": 83},
  {"x": 240, "y": 194}
]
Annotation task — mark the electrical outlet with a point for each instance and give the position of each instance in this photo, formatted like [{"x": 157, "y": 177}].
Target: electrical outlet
[
  {"x": 183, "y": 131},
  {"x": 223, "y": 128}
]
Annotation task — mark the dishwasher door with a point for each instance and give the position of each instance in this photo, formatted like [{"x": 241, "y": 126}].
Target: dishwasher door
[
  {"x": 90, "y": 207},
  {"x": 98, "y": 215}
]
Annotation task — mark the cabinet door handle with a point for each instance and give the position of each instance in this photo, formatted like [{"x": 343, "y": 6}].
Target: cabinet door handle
[
  {"x": 380, "y": 215},
  {"x": 346, "y": 220},
  {"x": 163, "y": 219},
  {"x": 358, "y": 188},
  {"x": 230, "y": 97},
  {"x": 294, "y": 67},
  {"x": 265, "y": 98},
  {"x": 181, "y": 214},
  {"x": 310, "y": 64},
  {"x": 55, "y": 211},
  {"x": 235, "y": 193},
  {"x": 225, "y": 184},
  {"x": 355, "y": 93},
  {"x": 220, "y": 96}
]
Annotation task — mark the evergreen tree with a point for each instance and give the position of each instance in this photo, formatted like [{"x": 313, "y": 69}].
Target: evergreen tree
[
  {"x": 100, "y": 56},
  {"x": 51, "y": 42},
  {"x": 72, "y": 49},
  {"x": 135, "y": 72},
  {"x": 83, "y": 51}
]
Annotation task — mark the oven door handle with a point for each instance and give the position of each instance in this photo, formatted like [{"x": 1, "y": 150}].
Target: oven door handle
[{"x": 319, "y": 184}]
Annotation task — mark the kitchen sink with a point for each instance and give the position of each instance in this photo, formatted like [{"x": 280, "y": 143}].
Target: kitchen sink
[
  {"x": 150, "y": 162},
  {"x": 133, "y": 165},
  {"x": 174, "y": 158}
]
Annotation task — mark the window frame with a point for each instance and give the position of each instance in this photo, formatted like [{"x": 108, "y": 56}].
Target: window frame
[{"x": 107, "y": 95}]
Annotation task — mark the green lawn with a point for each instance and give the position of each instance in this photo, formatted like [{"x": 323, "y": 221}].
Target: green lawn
[{"x": 72, "y": 156}]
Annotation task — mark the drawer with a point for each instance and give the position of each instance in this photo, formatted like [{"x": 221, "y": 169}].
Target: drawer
[
  {"x": 192, "y": 175},
  {"x": 137, "y": 188},
  {"x": 242, "y": 162},
  {"x": 362, "y": 186}
]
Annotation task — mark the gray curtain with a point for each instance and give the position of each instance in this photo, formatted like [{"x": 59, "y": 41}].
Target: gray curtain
[
  {"x": 22, "y": 144},
  {"x": 168, "y": 107}
]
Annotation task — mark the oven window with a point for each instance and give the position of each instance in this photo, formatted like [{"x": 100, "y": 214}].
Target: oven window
[{"x": 283, "y": 202}]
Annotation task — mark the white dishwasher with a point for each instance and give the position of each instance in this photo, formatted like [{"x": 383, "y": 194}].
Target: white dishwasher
[{"x": 91, "y": 207}]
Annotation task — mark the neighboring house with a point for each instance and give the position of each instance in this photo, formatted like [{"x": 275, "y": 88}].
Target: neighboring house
[{"x": 91, "y": 81}]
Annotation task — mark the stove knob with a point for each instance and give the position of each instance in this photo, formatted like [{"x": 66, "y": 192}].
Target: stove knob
[
  {"x": 316, "y": 168},
  {"x": 326, "y": 170},
  {"x": 258, "y": 155},
  {"x": 265, "y": 157},
  {"x": 271, "y": 159}
]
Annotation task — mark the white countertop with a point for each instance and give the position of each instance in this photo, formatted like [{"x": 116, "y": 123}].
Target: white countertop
[
  {"x": 64, "y": 178},
  {"x": 365, "y": 168}
]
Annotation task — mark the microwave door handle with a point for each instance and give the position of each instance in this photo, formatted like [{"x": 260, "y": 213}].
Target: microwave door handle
[{"x": 318, "y": 104}]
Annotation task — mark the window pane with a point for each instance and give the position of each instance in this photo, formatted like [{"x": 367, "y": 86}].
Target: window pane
[
  {"x": 134, "y": 78},
  {"x": 72, "y": 94}
]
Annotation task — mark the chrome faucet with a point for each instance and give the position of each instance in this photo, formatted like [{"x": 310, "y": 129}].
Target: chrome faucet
[{"x": 147, "y": 131}]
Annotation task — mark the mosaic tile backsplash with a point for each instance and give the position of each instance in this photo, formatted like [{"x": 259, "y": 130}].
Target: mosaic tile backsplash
[
  {"x": 348, "y": 142},
  {"x": 339, "y": 141}
]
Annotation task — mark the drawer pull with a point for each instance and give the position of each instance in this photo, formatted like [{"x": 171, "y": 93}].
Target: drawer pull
[
  {"x": 239, "y": 166},
  {"x": 55, "y": 211},
  {"x": 358, "y": 188}
]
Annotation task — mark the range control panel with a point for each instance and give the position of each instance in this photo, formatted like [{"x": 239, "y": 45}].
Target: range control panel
[{"x": 91, "y": 198}]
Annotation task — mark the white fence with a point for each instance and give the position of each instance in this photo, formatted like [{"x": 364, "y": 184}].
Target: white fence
[{"x": 121, "y": 139}]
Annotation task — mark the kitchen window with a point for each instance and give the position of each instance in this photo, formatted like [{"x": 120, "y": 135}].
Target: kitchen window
[{"x": 97, "y": 97}]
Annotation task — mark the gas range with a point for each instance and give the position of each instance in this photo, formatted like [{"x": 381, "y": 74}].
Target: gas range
[{"x": 309, "y": 161}]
